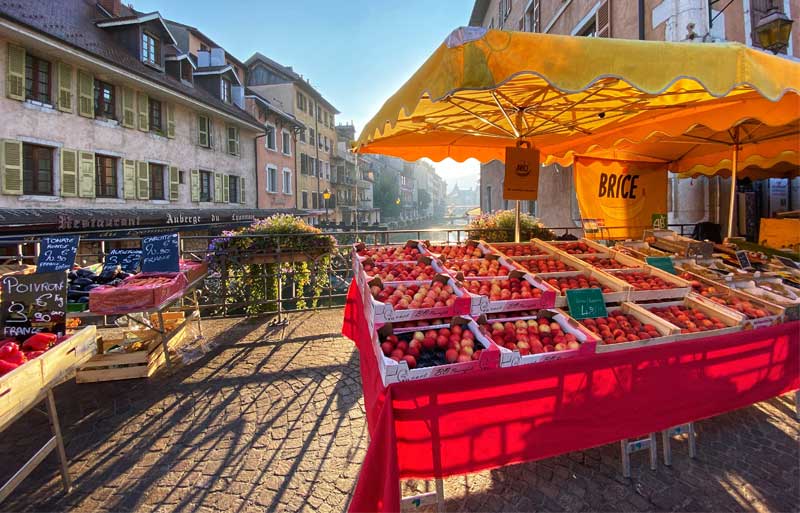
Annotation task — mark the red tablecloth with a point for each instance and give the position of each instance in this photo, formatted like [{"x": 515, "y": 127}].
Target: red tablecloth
[{"x": 466, "y": 423}]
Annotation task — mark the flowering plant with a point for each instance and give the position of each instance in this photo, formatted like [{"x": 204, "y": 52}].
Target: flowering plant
[
  {"x": 499, "y": 227},
  {"x": 284, "y": 231}
]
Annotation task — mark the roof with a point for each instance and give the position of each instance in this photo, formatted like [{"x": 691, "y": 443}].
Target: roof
[
  {"x": 72, "y": 22},
  {"x": 249, "y": 93},
  {"x": 291, "y": 76},
  {"x": 218, "y": 70},
  {"x": 478, "y": 12},
  {"x": 206, "y": 39},
  {"x": 135, "y": 20}
]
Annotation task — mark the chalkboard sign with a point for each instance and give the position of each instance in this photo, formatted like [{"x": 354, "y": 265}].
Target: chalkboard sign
[
  {"x": 33, "y": 303},
  {"x": 57, "y": 253},
  {"x": 586, "y": 303},
  {"x": 160, "y": 254},
  {"x": 127, "y": 259},
  {"x": 661, "y": 262},
  {"x": 744, "y": 260}
]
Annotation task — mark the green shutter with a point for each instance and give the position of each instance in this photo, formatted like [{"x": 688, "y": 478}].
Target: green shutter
[
  {"x": 241, "y": 189},
  {"x": 15, "y": 75},
  {"x": 202, "y": 131},
  {"x": 233, "y": 140},
  {"x": 142, "y": 112},
  {"x": 142, "y": 180},
  {"x": 129, "y": 179},
  {"x": 226, "y": 187},
  {"x": 87, "y": 172},
  {"x": 64, "y": 81},
  {"x": 11, "y": 166},
  {"x": 174, "y": 182},
  {"x": 85, "y": 94},
  {"x": 69, "y": 172},
  {"x": 170, "y": 120},
  {"x": 194, "y": 180},
  {"x": 217, "y": 187},
  {"x": 128, "y": 108}
]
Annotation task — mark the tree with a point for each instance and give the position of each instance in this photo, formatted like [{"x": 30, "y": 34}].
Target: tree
[{"x": 385, "y": 193}]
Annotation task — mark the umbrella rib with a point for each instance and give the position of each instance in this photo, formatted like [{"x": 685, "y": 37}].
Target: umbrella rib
[
  {"x": 505, "y": 115},
  {"x": 479, "y": 117},
  {"x": 579, "y": 129}
]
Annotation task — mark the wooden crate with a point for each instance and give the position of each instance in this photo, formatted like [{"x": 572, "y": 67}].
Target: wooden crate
[
  {"x": 137, "y": 364},
  {"x": 680, "y": 287},
  {"x": 667, "y": 332},
  {"x": 733, "y": 320}
]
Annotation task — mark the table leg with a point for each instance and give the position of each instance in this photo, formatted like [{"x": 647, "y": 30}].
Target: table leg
[
  {"x": 797, "y": 404},
  {"x": 439, "y": 495},
  {"x": 626, "y": 458},
  {"x": 62, "y": 454},
  {"x": 653, "y": 452},
  {"x": 197, "y": 310},
  {"x": 164, "y": 339},
  {"x": 692, "y": 441},
  {"x": 665, "y": 440}
]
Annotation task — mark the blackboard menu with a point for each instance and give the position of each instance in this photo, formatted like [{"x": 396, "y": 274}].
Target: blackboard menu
[
  {"x": 160, "y": 254},
  {"x": 33, "y": 303},
  {"x": 57, "y": 253},
  {"x": 127, "y": 259}
]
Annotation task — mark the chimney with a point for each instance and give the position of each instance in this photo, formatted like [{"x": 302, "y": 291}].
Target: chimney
[{"x": 114, "y": 7}]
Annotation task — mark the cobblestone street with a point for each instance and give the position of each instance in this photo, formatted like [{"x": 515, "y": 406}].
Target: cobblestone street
[{"x": 272, "y": 419}]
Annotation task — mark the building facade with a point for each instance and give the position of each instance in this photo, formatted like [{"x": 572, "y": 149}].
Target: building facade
[
  {"x": 692, "y": 21},
  {"x": 109, "y": 112}
]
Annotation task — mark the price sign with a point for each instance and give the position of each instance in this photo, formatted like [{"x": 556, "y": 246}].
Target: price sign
[
  {"x": 57, "y": 253},
  {"x": 160, "y": 254},
  {"x": 744, "y": 260},
  {"x": 662, "y": 262},
  {"x": 586, "y": 303},
  {"x": 788, "y": 262},
  {"x": 33, "y": 303},
  {"x": 127, "y": 259}
]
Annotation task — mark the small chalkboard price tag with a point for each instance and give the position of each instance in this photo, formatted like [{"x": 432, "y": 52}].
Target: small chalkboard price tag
[
  {"x": 661, "y": 262},
  {"x": 744, "y": 260},
  {"x": 33, "y": 303},
  {"x": 127, "y": 259},
  {"x": 57, "y": 253},
  {"x": 586, "y": 303},
  {"x": 160, "y": 254}
]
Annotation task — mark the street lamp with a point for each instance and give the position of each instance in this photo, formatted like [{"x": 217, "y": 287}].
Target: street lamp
[
  {"x": 774, "y": 29},
  {"x": 326, "y": 195}
]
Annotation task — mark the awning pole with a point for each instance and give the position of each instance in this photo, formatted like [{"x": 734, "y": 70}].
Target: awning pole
[
  {"x": 516, "y": 222},
  {"x": 733, "y": 187}
]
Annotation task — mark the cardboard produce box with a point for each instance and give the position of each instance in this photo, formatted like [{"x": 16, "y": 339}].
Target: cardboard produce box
[
  {"x": 482, "y": 304},
  {"x": 384, "y": 312}
]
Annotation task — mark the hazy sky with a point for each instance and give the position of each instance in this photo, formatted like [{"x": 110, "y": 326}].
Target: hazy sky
[{"x": 357, "y": 53}]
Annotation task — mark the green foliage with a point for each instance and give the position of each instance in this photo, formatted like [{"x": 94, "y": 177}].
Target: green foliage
[
  {"x": 385, "y": 193},
  {"x": 499, "y": 227}
]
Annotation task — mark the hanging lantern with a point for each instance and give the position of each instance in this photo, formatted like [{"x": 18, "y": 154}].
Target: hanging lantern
[{"x": 773, "y": 30}]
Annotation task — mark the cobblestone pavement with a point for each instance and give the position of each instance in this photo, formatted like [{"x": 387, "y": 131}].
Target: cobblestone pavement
[{"x": 273, "y": 420}]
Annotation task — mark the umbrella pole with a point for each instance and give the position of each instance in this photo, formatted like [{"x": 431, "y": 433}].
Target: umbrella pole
[
  {"x": 733, "y": 188},
  {"x": 516, "y": 222}
]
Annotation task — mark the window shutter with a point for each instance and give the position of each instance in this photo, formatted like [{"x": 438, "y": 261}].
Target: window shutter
[
  {"x": 142, "y": 180},
  {"x": 69, "y": 172},
  {"x": 15, "y": 74},
  {"x": 129, "y": 179},
  {"x": 11, "y": 165},
  {"x": 170, "y": 120},
  {"x": 195, "y": 184},
  {"x": 143, "y": 115},
  {"x": 233, "y": 140},
  {"x": 128, "y": 108},
  {"x": 603, "y": 19},
  {"x": 226, "y": 188},
  {"x": 241, "y": 189},
  {"x": 64, "y": 77},
  {"x": 217, "y": 187},
  {"x": 87, "y": 171},
  {"x": 85, "y": 94},
  {"x": 202, "y": 131},
  {"x": 174, "y": 182}
]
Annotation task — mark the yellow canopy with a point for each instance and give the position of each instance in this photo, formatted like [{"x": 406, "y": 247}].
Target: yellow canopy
[{"x": 481, "y": 90}]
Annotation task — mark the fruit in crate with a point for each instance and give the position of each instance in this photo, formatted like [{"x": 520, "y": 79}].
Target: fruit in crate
[
  {"x": 546, "y": 265},
  {"x": 640, "y": 280},
  {"x": 531, "y": 336},
  {"x": 620, "y": 327},
  {"x": 518, "y": 250},
  {"x": 605, "y": 263},
  {"x": 477, "y": 267},
  {"x": 413, "y": 296},
  {"x": 429, "y": 348},
  {"x": 577, "y": 282},
  {"x": 391, "y": 253},
  {"x": 400, "y": 272},
  {"x": 457, "y": 252},
  {"x": 743, "y": 306},
  {"x": 503, "y": 289},
  {"x": 575, "y": 248},
  {"x": 688, "y": 319}
]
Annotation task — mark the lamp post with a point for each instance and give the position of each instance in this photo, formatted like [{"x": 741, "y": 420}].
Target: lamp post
[
  {"x": 326, "y": 195},
  {"x": 774, "y": 29}
]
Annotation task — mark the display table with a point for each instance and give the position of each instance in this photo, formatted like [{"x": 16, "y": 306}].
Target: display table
[{"x": 460, "y": 424}]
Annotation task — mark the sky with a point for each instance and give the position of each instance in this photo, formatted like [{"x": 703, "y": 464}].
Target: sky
[{"x": 357, "y": 53}]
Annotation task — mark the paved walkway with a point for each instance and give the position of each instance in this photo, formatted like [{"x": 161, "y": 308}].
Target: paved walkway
[{"x": 273, "y": 420}]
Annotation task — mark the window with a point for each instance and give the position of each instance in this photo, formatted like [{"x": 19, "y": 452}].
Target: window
[
  {"x": 314, "y": 203},
  {"x": 312, "y": 136},
  {"x": 104, "y": 100},
  {"x": 151, "y": 49},
  {"x": 37, "y": 169},
  {"x": 233, "y": 189},
  {"x": 204, "y": 131},
  {"x": 302, "y": 135},
  {"x": 105, "y": 176},
  {"x": 225, "y": 90},
  {"x": 186, "y": 71},
  {"x": 156, "y": 182},
  {"x": 37, "y": 79},
  {"x": 272, "y": 179},
  {"x": 271, "y": 143},
  {"x": 206, "y": 185},
  {"x": 589, "y": 30},
  {"x": 286, "y": 144},
  {"x": 233, "y": 140},
  {"x": 181, "y": 178},
  {"x": 287, "y": 181},
  {"x": 301, "y": 101},
  {"x": 203, "y": 48},
  {"x": 155, "y": 115},
  {"x": 305, "y": 199}
]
